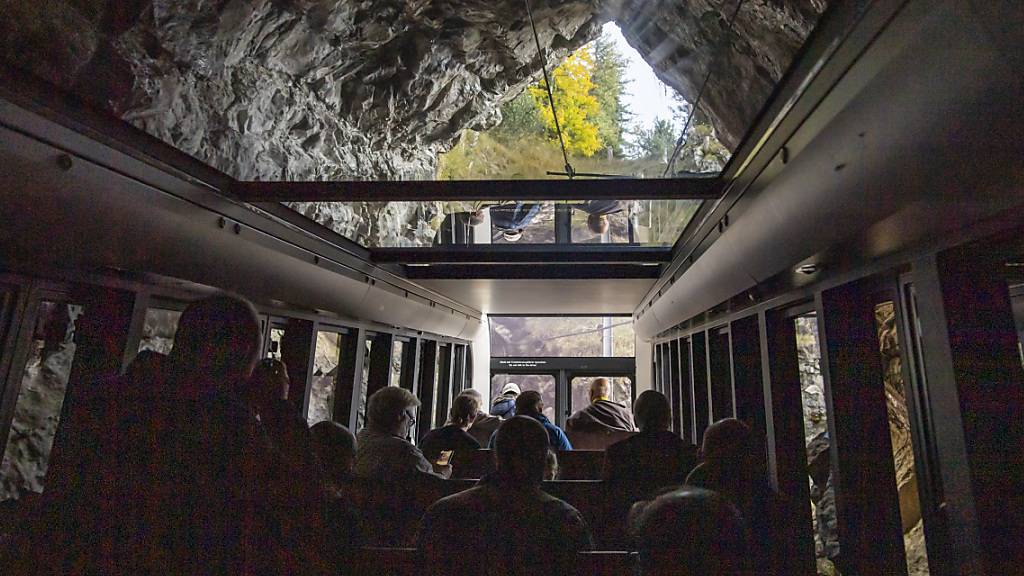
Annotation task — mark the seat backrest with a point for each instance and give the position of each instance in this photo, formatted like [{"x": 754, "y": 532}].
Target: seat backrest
[
  {"x": 588, "y": 439},
  {"x": 373, "y": 561},
  {"x": 580, "y": 464},
  {"x": 472, "y": 463},
  {"x": 606, "y": 563}
]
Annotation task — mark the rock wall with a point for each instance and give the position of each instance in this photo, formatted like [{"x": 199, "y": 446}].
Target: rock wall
[
  {"x": 682, "y": 40},
  {"x": 349, "y": 89}
]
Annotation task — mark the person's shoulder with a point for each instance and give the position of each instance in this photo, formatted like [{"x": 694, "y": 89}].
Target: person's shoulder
[{"x": 460, "y": 501}]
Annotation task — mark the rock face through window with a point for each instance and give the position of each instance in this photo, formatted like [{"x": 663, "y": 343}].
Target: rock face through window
[{"x": 37, "y": 412}]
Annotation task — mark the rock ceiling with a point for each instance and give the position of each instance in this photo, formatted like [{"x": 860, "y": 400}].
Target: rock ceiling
[{"x": 335, "y": 89}]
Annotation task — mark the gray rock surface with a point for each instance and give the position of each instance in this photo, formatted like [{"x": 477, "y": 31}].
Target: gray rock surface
[{"x": 350, "y": 89}]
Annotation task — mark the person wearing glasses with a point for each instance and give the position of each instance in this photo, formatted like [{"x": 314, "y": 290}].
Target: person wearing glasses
[{"x": 384, "y": 451}]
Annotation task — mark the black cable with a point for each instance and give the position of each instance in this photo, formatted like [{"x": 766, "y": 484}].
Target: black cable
[
  {"x": 551, "y": 97},
  {"x": 700, "y": 94}
]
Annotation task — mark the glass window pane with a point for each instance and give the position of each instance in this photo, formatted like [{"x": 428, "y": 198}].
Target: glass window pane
[
  {"x": 543, "y": 383},
  {"x": 158, "y": 330},
  {"x": 274, "y": 350},
  {"x": 621, "y": 391},
  {"x": 437, "y": 223},
  {"x": 569, "y": 336},
  {"x": 37, "y": 411},
  {"x": 819, "y": 463},
  {"x": 902, "y": 445},
  {"x": 364, "y": 384},
  {"x": 325, "y": 374},
  {"x": 396, "y": 363}
]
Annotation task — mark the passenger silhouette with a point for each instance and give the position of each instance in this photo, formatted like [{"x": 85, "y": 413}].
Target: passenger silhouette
[
  {"x": 689, "y": 532},
  {"x": 602, "y": 413},
  {"x": 507, "y": 524},
  {"x": 530, "y": 404},
  {"x": 335, "y": 448},
  {"x": 177, "y": 476},
  {"x": 483, "y": 424},
  {"x": 655, "y": 457},
  {"x": 383, "y": 451},
  {"x": 454, "y": 435},
  {"x": 267, "y": 390},
  {"x": 729, "y": 465}
]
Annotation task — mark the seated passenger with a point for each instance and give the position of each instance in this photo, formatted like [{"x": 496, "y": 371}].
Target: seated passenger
[
  {"x": 655, "y": 457},
  {"x": 483, "y": 424},
  {"x": 267, "y": 390},
  {"x": 529, "y": 404},
  {"x": 551, "y": 466},
  {"x": 507, "y": 525},
  {"x": 689, "y": 532},
  {"x": 504, "y": 406},
  {"x": 383, "y": 451},
  {"x": 729, "y": 466},
  {"x": 602, "y": 413},
  {"x": 180, "y": 480},
  {"x": 453, "y": 436},
  {"x": 335, "y": 449}
]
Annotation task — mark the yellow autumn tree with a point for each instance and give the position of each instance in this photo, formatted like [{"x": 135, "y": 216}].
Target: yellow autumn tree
[{"x": 577, "y": 106}]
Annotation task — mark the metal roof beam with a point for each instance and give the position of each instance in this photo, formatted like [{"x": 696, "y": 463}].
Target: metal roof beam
[{"x": 684, "y": 188}]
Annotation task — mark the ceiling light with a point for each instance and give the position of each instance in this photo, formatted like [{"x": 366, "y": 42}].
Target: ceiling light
[{"x": 808, "y": 269}]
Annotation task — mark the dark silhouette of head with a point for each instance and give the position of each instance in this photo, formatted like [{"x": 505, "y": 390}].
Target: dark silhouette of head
[
  {"x": 521, "y": 450},
  {"x": 727, "y": 441},
  {"x": 268, "y": 384},
  {"x": 652, "y": 412},
  {"x": 146, "y": 368},
  {"x": 529, "y": 403},
  {"x": 335, "y": 447},
  {"x": 392, "y": 410},
  {"x": 476, "y": 217},
  {"x": 689, "y": 531},
  {"x": 464, "y": 410},
  {"x": 597, "y": 223},
  {"x": 217, "y": 343}
]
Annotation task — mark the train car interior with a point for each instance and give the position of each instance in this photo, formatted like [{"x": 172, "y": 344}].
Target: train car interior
[{"x": 800, "y": 219}]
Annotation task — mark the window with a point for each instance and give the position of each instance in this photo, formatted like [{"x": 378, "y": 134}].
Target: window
[
  {"x": 158, "y": 330},
  {"x": 543, "y": 383},
  {"x": 364, "y": 384},
  {"x": 274, "y": 349},
  {"x": 43, "y": 386},
  {"x": 816, "y": 438},
  {"x": 325, "y": 373},
  {"x": 397, "y": 349},
  {"x": 621, "y": 391},
  {"x": 563, "y": 336},
  {"x": 902, "y": 444}
]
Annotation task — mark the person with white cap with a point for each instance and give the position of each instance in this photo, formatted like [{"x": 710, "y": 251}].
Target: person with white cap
[{"x": 505, "y": 404}]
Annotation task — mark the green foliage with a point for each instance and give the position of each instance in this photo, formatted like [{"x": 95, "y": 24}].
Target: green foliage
[
  {"x": 655, "y": 142},
  {"x": 610, "y": 90},
  {"x": 519, "y": 117},
  {"x": 576, "y": 105}
]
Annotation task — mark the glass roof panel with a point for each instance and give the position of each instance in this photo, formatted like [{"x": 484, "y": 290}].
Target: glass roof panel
[
  {"x": 344, "y": 91},
  {"x": 434, "y": 224}
]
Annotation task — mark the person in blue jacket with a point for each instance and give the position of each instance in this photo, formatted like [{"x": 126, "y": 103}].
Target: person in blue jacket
[
  {"x": 504, "y": 406},
  {"x": 529, "y": 404}
]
